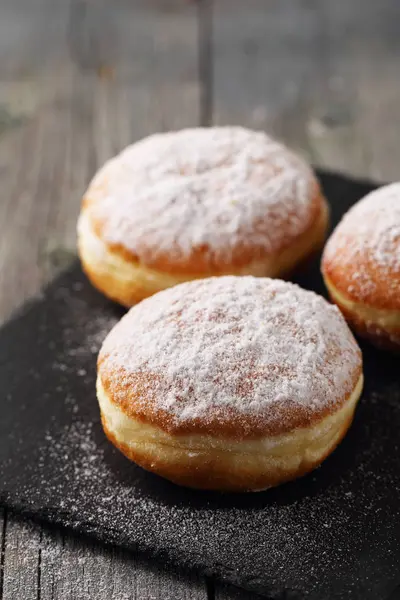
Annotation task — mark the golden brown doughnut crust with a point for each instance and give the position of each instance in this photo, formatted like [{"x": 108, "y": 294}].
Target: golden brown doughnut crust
[
  {"x": 134, "y": 394},
  {"x": 128, "y": 282},
  {"x": 201, "y": 262},
  {"x": 362, "y": 256},
  {"x": 273, "y": 218},
  {"x": 361, "y": 266},
  {"x": 230, "y": 383},
  {"x": 379, "y": 326},
  {"x": 384, "y": 291},
  {"x": 163, "y": 321}
]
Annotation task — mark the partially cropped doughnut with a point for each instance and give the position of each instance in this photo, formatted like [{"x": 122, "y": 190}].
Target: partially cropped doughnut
[
  {"x": 229, "y": 383},
  {"x": 198, "y": 203},
  {"x": 361, "y": 266}
]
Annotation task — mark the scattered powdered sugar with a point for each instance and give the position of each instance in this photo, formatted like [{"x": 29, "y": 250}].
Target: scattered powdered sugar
[
  {"x": 368, "y": 238},
  {"x": 242, "y": 343},
  {"x": 217, "y": 190},
  {"x": 297, "y": 537}
]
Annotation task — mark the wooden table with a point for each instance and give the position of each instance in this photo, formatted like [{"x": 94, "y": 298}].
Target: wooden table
[{"x": 80, "y": 79}]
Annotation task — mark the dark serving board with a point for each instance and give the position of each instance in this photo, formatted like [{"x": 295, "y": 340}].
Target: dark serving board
[{"x": 334, "y": 534}]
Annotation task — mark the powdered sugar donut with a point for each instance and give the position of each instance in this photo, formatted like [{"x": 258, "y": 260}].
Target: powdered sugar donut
[
  {"x": 229, "y": 383},
  {"x": 361, "y": 266},
  {"x": 197, "y": 203}
]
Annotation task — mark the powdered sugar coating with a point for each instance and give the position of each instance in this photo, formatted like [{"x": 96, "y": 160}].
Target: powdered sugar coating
[
  {"x": 262, "y": 353},
  {"x": 363, "y": 253},
  {"x": 224, "y": 195}
]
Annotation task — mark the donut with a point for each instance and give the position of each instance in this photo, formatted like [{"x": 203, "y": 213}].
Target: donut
[
  {"x": 198, "y": 203},
  {"x": 361, "y": 266},
  {"x": 229, "y": 383}
]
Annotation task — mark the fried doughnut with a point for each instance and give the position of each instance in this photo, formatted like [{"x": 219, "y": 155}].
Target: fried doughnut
[
  {"x": 198, "y": 203},
  {"x": 361, "y": 266},
  {"x": 229, "y": 383}
]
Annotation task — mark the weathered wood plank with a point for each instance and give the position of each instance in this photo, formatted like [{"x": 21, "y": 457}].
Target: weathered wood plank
[
  {"x": 149, "y": 73},
  {"x": 205, "y": 28},
  {"x": 86, "y": 81},
  {"x": 48, "y": 565},
  {"x": 378, "y": 91},
  {"x": 320, "y": 75},
  {"x": 3, "y": 518},
  {"x": 263, "y": 54},
  {"x": 79, "y": 79},
  {"x": 314, "y": 74},
  {"x": 348, "y": 91},
  {"x": 74, "y": 568},
  {"x": 21, "y": 561},
  {"x": 33, "y": 78}
]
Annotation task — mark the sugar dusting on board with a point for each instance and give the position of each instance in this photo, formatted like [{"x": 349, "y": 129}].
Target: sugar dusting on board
[
  {"x": 225, "y": 189},
  {"x": 294, "y": 541},
  {"x": 243, "y": 344},
  {"x": 144, "y": 506}
]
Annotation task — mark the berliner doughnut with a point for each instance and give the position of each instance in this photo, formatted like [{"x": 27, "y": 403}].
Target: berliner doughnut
[
  {"x": 361, "y": 266},
  {"x": 198, "y": 203},
  {"x": 229, "y": 383}
]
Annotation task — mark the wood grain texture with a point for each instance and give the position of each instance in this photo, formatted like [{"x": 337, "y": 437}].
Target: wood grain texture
[
  {"x": 3, "y": 523},
  {"x": 31, "y": 155},
  {"x": 74, "y": 568},
  {"x": 45, "y": 564},
  {"x": 21, "y": 561},
  {"x": 319, "y": 75},
  {"x": 78, "y": 81},
  {"x": 90, "y": 77}
]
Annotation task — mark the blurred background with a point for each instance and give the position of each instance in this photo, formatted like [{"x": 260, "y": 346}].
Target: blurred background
[{"x": 81, "y": 79}]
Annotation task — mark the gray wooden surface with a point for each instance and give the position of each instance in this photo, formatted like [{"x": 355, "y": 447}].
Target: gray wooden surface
[{"x": 79, "y": 79}]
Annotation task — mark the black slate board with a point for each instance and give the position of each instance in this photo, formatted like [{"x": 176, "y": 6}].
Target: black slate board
[{"x": 332, "y": 535}]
